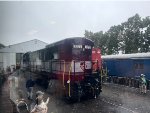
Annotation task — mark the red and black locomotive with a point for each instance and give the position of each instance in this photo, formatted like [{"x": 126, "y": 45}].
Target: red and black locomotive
[{"x": 73, "y": 62}]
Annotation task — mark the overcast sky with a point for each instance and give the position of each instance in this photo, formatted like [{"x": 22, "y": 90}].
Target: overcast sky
[{"x": 53, "y": 21}]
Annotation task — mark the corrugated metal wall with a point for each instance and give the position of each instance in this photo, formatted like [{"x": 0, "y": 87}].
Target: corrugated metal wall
[{"x": 8, "y": 59}]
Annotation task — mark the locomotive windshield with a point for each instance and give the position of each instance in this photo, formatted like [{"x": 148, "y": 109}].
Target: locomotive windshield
[
  {"x": 82, "y": 49},
  {"x": 81, "y": 52}
]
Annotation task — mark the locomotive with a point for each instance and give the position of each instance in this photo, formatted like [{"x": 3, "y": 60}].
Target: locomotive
[{"x": 72, "y": 62}]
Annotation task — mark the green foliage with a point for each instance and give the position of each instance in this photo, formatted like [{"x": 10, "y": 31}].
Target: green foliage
[{"x": 131, "y": 36}]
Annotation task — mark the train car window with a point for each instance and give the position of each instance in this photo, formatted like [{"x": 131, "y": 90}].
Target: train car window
[
  {"x": 141, "y": 66},
  {"x": 56, "y": 56},
  {"x": 87, "y": 52},
  {"x": 81, "y": 52},
  {"x": 76, "y": 52},
  {"x": 136, "y": 66}
]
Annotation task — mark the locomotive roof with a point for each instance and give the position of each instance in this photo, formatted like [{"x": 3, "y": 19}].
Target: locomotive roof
[
  {"x": 64, "y": 40},
  {"x": 128, "y": 56}
]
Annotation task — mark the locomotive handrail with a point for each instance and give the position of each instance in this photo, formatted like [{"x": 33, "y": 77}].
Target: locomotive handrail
[
  {"x": 69, "y": 76},
  {"x": 101, "y": 76},
  {"x": 105, "y": 72},
  {"x": 64, "y": 72}
]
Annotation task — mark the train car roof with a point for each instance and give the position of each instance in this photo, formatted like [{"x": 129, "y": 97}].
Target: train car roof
[
  {"x": 128, "y": 56},
  {"x": 64, "y": 40}
]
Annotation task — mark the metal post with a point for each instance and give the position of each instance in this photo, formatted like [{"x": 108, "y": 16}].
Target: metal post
[
  {"x": 101, "y": 75},
  {"x": 84, "y": 67},
  {"x": 60, "y": 67},
  {"x": 74, "y": 70},
  {"x": 64, "y": 73}
]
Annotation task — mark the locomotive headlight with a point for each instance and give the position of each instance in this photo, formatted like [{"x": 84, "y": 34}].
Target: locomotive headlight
[{"x": 68, "y": 81}]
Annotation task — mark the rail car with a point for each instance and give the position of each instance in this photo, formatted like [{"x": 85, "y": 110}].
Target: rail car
[
  {"x": 127, "y": 68},
  {"x": 72, "y": 62}
]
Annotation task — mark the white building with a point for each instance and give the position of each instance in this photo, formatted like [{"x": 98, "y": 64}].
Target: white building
[{"x": 11, "y": 55}]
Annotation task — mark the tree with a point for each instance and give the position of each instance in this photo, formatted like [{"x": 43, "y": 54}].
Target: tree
[
  {"x": 98, "y": 38},
  {"x": 131, "y": 36},
  {"x": 145, "y": 34},
  {"x": 113, "y": 39}
]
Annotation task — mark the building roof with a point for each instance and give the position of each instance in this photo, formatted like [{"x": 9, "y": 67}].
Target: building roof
[{"x": 31, "y": 45}]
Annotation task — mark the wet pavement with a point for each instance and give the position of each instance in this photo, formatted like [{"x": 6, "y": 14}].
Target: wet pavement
[
  {"x": 113, "y": 99},
  {"x": 126, "y": 99},
  {"x": 5, "y": 102}
]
